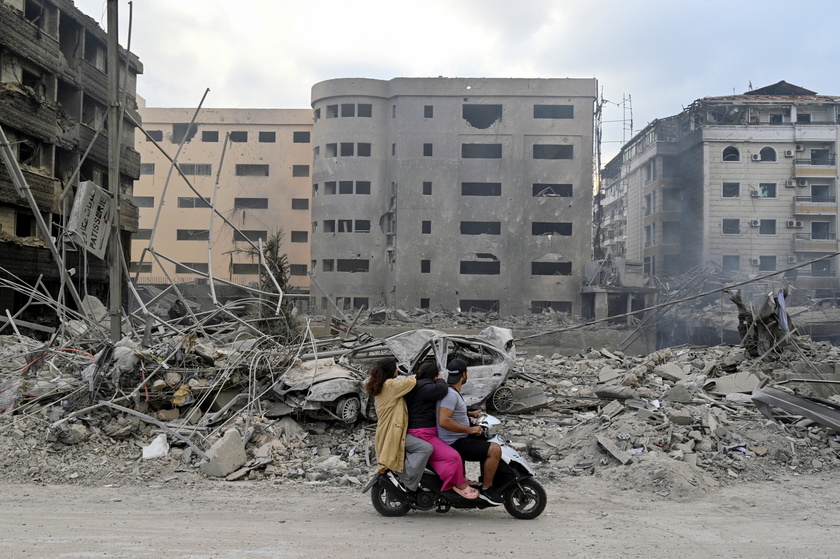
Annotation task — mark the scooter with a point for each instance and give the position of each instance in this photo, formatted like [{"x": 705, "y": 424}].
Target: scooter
[{"x": 524, "y": 497}]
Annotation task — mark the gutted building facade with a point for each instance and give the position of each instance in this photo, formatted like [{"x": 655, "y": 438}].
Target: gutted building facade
[
  {"x": 53, "y": 103},
  {"x": 253, "y": 164},
  {"x": 452, "y": 192},
  {"x": 748, "y": 182}
]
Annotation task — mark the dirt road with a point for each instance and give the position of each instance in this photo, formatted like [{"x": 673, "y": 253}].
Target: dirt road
[{"x": 795, "y": 517}]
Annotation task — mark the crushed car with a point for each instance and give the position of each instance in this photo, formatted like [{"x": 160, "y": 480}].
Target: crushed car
[{"x": 331, "y": 386}]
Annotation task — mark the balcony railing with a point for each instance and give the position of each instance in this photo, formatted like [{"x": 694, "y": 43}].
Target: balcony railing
[
  {"x": 815, "y": 199},
  {"x": 831, "y": 160}
]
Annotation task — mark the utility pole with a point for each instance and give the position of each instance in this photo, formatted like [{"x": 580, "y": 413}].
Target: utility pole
[{"x": 114, "y": 115}]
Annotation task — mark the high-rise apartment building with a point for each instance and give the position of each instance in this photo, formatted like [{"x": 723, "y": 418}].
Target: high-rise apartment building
[
  {"x": 253, "y": 164},
  {"x": 53, "y": 103},
  {"x": 470, "y": 193},
  {"x": 748, "y": 182}
]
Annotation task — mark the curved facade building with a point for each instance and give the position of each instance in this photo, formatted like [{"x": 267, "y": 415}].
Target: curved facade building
[{"x": 470, "y": 193}]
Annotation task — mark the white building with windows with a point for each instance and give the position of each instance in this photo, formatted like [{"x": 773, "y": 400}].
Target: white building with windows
[
  {"x": 748, "y": 182},
  {"x": 259, "y": 182},
  {"x": 470, "y": 193}
]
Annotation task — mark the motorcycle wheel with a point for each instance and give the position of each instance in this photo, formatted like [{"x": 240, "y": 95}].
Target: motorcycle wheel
[
  {"x": 526, "y": 500},
  {"x": 385, "y": 504}
]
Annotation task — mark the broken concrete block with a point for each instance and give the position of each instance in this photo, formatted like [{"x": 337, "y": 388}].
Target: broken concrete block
[
  {"x": 744, "y": 381},
  {"x": 679, "y": 393},
  {"x": 290, "y": 429},
  {"x": 401, "y": 315},
  {"x": 378, "y": 317},
  {"x": 670, "y": 371},
  {"x": 225, "y": 456},
  {"x": 609, "y": 375},
  {"x": 158, "y": 448},
  {"x": 612, "y": 409},
  {"x": 168, "y": 415},
  {"x": 614, "y": 392},
  {"x": 620, "y": 455},
  {"x": 680, "y": 417}
]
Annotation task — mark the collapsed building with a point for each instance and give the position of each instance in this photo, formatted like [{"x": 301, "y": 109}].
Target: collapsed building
[{"x": 53, "y": 104}]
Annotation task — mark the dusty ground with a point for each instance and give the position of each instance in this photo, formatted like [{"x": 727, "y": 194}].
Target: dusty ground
[{"x": 791, "y": 517}]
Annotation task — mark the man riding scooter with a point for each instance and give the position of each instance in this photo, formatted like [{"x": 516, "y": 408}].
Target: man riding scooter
[{"x": 455, "y": 429}]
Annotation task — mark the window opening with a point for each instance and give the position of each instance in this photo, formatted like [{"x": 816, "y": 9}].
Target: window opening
[{"x": 482, "y": 116}]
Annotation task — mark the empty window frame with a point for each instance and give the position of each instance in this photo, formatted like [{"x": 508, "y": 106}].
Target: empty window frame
[
  {"x": 191, "y": 268},
  {"x": 425, "y": 302},
  {"x": 331, "y": 150},
  {"x": 329, "y": 226},
  {"x": 183, "y": 132},
  {"x": 156, "y": 135},
  {"x": 428, "y": 150},
  {"x": 244, "y": 269},
  {"x": 425, "y": 266},
  {"x": 551, "y": 189},
  {"x": 363, "y": 149},
  {"x": 147, "y": 168},
  {"x": 345, "y": 187},
  {"x": 250, "y": 203},
  {"x": 427, "y": 188},
  {"x": 480, "y": 267},
  {"x": 298, "y": 269},
  {"x": 210, "y": 136},
  {"x": 267, "y": 137},
  {"x": 193, "y": 202},
  {"x": 731, "y": 227},
  {"x": 250, "y": 170},
  {"x": 142, "y": 235},
  {"x": 239, "y": 136},
  {"x": 803, "y": 118},
  {"x": 300, "y": 203},
  {"x": 345, "y": 225},
  {"x": 731, "y": 262},
  {"x": 428, "y": 111},
  {"x": 551, "y": 228},
  {"x": 767, "y": 227},
  {"x": 348, "y": 109},
  {"x": 362, "y": 187},
  {"x": 352, "y": 265},
  {"x": 481, "y": 151},
  {"x": 551, "y": 268},
  {"x": 553, "y": 151},
  {"x": 767, "y": 190},
  {"x": 481, "y": 189},
  {"x": 137, "y": 267},
  {"x": 538, "y": 307},
  {"x": 297, "y": 170},
  {"x": 767, "y": 154},
  {"x": 554, "y": 111},
  {"x": 316, "y": 115},
  {"x": 362, "y": 226},
  {"x": 250, "y": 235},
  {"x": 347, "y": 149},
  {"x": 766, "y": 263},
  {"x": 332, "y": 111},
  {"x": 300, "y": 137},
  {"x": 731, "y": 154},
  {"x": 481, "y": 228},
  {"x": 479, "y": 305},
  {"x": 192, "y": 234},
  {"x": 196, "y": 169},
  {"x": 300, "y": 236},
  {"x": 144, "y": 201},
  {"x": 731, "y": 190},
  {"x": 426, "y": 227},
  {"x": 482, "y": 116},
  {"x": 364, "y": 110}
]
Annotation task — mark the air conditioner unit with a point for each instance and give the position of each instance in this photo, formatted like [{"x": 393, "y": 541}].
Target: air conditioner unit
[
  {"x": 803, "y": 182},
  {"x": 789, "y": 153},
  {"x": 755, "y": 222},
  {"x": 754, "y": 193},
  {"x": 754, "y": 261},
  {"x": 790, "y": 183},
  {"x": 793, "y": 224},
  {"x": 792, "y": 260},
  {"x": 799, "y": 147},
  {"x": 756, "y": 157}
]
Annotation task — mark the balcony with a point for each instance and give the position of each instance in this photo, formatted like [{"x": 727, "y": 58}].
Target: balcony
[
  {"x": 812, "y": 242},
  {"x": 815, "y": 205},
  {"x": 815, "y": 166}
]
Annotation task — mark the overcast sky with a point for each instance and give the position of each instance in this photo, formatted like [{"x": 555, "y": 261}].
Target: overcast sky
[{"x": 661, "y": 53}]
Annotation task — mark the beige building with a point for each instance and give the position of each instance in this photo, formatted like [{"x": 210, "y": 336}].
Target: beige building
[
  {"x": 263, "y": 175},
  {"x": 748, "y": 182},
  {"x": 470, "y": 193}
]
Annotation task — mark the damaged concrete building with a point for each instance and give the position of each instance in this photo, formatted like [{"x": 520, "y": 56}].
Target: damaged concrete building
[
  {"x": 747, "y": 182},
  {"x": 53, "y": 103},
  {"x": 470, "y": 193},
  {"x": 255, "y": 164}
]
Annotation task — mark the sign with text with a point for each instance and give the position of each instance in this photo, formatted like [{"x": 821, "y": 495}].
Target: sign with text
[{"x": 90, "y": 218}]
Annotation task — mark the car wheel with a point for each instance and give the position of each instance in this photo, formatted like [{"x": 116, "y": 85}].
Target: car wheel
[
  {"x": 348, "y": 409},
  {"x": 502, "y": 400}
]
